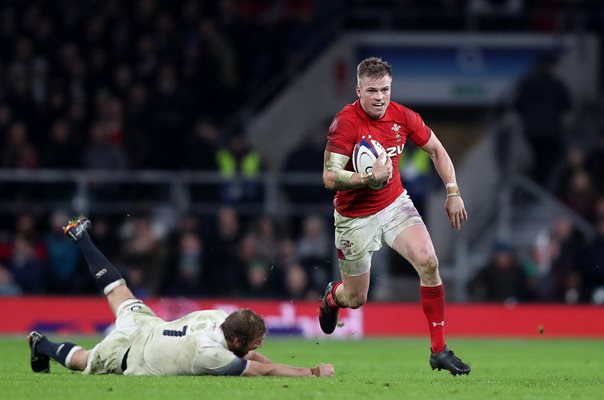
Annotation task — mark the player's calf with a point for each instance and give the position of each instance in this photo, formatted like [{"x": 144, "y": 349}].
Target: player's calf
[{"x": 104, "y": 273}]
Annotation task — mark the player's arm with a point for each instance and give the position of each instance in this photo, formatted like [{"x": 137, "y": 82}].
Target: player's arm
[
  {"x": 255, "y": 356},
  {"x": 255, "y": 368},
  {"x": 454, "y": 204},
  {"x": 336, "y": 177}
]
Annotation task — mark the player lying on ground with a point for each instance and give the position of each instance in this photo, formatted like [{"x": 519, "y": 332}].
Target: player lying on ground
[{"x": 201, "y": 343}]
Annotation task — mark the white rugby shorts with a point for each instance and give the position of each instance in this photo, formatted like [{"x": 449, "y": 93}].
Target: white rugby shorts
[
  {"x": 106, "y": 357},
  {"x": 356, "y": 238}
]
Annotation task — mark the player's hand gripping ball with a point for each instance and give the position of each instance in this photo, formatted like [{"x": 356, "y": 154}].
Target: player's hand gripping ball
[{"x": 364, "y": 155}]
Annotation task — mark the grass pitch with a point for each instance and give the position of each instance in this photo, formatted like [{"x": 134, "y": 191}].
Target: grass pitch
[{"x": 365, "y": 369}]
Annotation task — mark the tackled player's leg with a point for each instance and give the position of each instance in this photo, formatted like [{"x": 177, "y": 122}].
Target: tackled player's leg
[{"x": 104, "y": 273}]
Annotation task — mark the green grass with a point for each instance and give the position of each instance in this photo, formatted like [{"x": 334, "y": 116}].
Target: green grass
[{"x": 365, "y": 369}]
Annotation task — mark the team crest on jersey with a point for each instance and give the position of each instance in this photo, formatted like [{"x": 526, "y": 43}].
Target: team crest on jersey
[{"x": 396, "y": 128}]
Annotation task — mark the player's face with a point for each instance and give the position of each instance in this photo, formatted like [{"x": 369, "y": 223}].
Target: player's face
[
  {"x": 240, "y": 350},
  {"x": 374, "y": 95}
]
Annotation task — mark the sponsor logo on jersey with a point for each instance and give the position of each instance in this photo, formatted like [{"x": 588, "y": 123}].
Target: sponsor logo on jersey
[
  {"x": 395, "y": 150},
  {"x": 100, "y": 273},
  {"x": 441, "y": 323}
]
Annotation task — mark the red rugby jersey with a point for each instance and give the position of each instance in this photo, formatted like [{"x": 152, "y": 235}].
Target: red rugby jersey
[{"x": 392, "y": 130}]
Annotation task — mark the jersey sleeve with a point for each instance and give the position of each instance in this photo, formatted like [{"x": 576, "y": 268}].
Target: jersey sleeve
[
  {"x": 341, "y": 136},
  {"x": 419, "y": 132},
  {"x": 220, "y": 361},
  {"x": 235, "y": 368}
]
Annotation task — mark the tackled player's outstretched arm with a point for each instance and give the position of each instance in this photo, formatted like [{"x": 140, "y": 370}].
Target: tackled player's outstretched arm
[
  {"x": 255, "y": 368},
  {"x": 255, "y": 356}
]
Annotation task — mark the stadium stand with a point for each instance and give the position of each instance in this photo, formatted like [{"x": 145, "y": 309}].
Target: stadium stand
[{"x": 120, "y": 109}]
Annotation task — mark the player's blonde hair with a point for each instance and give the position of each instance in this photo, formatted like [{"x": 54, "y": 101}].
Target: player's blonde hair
[
  {"x": 245, "y": 325},
  {"x": 374, "y": 68}
]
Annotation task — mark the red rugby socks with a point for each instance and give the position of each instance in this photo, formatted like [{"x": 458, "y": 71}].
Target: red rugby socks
[{"x": 433, "y": 304}]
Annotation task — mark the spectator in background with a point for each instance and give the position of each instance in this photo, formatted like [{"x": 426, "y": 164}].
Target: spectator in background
[
  {"x": 78, "y": 119},
  {"x": 542, "y": 100},
  {"x": 306, "y": 157},
  {"x": 288, "y": 252},
  {"x": 61, "y": 147},
  {"x": 581, "y": 195},
  {"x": 265, "y": 231},
  {"x": 26, "y": 226},
  {"x": 595, "y": 163},
  {"x": 314, "y": 249},
  {"x": 240, "y": 167},
  {"x": 186, "y": 258},
  {"x": 201, "y": 147},
  {"x": 200, "y": 154},
  {"x": 102, "y": 154},
  {"x": 63, "y": 257},
  {"x": 28, "y": 269},
  {"x": 144, "y": 254},
  {"x": 415, "y": 169},
  {"x": 8, "y": 286},
  {"x": 565, "y": 267},
  {"x": 574, "y": 161},
  {"x": 553, "y": 269},
  {"x": 186, "y": 281},
  {"x": 501, "y": 280},
  {"x": 169, "y": 121},
  {"x": 255, "y": 267},
  {"x": 297, "y": 284},
  {"x": 592, "y": 260},
  {"x": 221, "y": 275},
  {"x": 137, "y": 125},
  {"x": 220, "y": 64},
  {"x": 18, "y": 151}
]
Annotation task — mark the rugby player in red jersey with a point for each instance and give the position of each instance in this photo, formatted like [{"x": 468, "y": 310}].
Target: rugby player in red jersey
[{"x": 366, "y": 217}]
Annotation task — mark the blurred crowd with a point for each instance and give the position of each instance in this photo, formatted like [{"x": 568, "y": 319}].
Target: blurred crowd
[
  {"x": 562, "y": 265},
  {"x": 225, "y": 256},
  {"x": 151, "y": 84},
  {"x": 106, "y": 84},
  {"x": 567, "y": 150}
]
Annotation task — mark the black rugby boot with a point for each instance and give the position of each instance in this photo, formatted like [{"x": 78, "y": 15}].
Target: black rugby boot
[
  {"x": 328, "y": 316},
  {"x": 446, "y": 359},
  {"x": 39, "y": 362}
]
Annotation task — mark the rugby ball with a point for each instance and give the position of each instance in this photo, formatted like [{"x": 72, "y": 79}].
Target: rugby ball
[{"x": 364, "y": 155}]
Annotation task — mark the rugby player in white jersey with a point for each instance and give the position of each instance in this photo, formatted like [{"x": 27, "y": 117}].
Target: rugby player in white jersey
[{"x": 200, "y": 343}]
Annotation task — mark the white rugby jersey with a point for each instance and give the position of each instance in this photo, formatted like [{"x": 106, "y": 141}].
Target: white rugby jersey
[{"x": 191, "y": 345}]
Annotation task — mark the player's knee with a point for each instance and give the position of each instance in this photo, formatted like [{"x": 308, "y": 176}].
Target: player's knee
[
  {"x": 357, "y": 300},
  {"x": 428, "y": 265}
]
